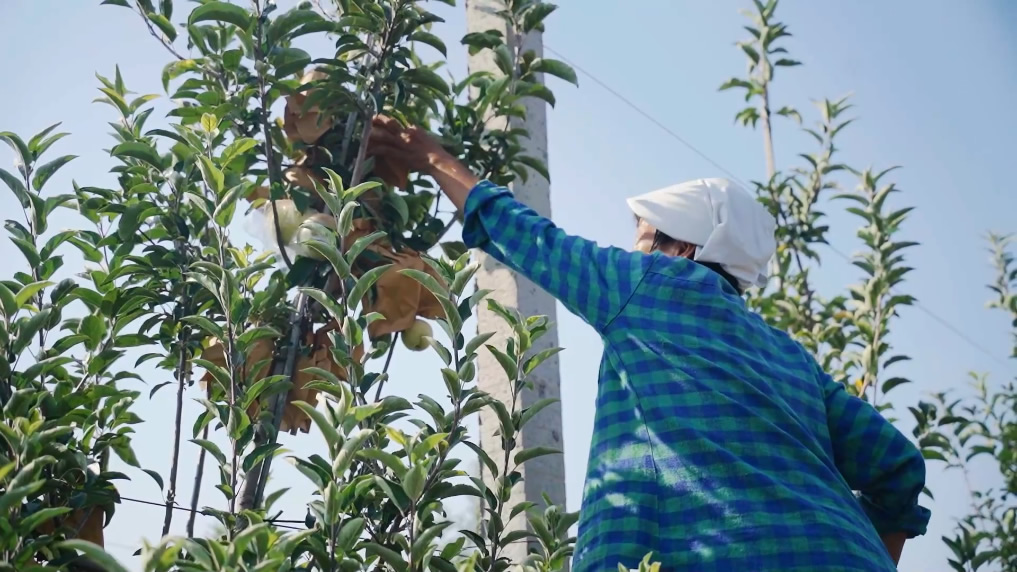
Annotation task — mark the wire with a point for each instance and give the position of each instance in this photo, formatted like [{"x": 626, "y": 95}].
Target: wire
[
  {"x": 276, "y": 522},
  {"x": 918, "y": 305}
]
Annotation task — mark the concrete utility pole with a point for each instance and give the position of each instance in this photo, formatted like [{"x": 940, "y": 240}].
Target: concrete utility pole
[{"x": 544, "y": 474}]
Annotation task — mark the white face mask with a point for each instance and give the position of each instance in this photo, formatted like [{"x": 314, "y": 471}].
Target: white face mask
[{"x": 734, "y": 229}]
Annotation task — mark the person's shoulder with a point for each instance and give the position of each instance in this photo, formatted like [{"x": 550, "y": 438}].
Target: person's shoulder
[{"x": 676, "y": 268}]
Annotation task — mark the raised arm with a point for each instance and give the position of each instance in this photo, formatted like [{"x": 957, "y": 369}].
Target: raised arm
[
  {"x": 593, "y": 282},
  {"x": 880, "y": 463}
]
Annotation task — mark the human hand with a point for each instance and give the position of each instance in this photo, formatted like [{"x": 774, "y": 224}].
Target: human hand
[{"x": 404, "y": 148}]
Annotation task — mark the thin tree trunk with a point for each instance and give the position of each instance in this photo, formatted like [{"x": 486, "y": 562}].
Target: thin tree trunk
[
  {"x": 183, "y": 376},
  {"x": 764, "y": 117},
  {"x": 254, "y": 481},
  {"x": 196, "y": 491}
]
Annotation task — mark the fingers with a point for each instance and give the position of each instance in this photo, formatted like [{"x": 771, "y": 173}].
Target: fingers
[
  {"x": 387, "y": 123},
  {"x": 384, "y": 136},
  {"x": 382, "y": 150}
]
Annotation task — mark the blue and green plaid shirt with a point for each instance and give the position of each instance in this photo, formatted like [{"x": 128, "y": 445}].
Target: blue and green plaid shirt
[{"x": 718, "y": 443}]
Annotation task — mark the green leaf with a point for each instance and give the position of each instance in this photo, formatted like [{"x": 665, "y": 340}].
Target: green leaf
[
  {"x": 176, "y": 68},
  {"x": 327, "y": 301},
  {"x": 205, "y": 324},
  {"x": 140, "y": 151},
  {"x": 361, "y": 244},
  {"x": 8, "y": 303},
  {"x": 221, "y": 12},
  {"x": 535, "y": 89},
  {"x": 534, "y": 361},
  {"x": 429, "y": 39},
  {"x": 507, "y": 364},
  {"x": 532, "y": 453},
  {"x": 328, "y": 431},
  {"x": 535, "y": 16},
  {"x": 894, "y": 382},
  {"x": 258, "y": 454},
  {"x": 27, "y": 291},
  {"x": 44, "y": 515},
  {"x": 355, "y": 192},
  {"x": 163, "y": 24},
  {"x": 44, "y": 173},
  {"x": 750, "y": 52},
  {"x": 155, "y": 477},
  {"x": 555, "y": 68},
  {"x": 330, "y": 252},
  {"x": 345, "y": 456},
  {"x": 365, "y": 282},
  {"x": 477, "y": 41},
  {"x": 289, "y": 60},
  {"x": 388, "y": 459},
  {"x": 14, "y": 495},
  {"x": 223, "y": 214},
  {"x": 534, "y": 409},
  {"x": 426, "y": 78},
  {"x": 735, "y": 82},
  {"x": 36, "y": 141},
  {"x": 429, "y": 444},
  {"x": 349, "y": 533},
  {"x": 536, "y": 164},
  {"x": 476, "y": 342},
  {"x": 24, "y": 155},
  {"x": 414, "y": 481},
  {"x": 17, "y": 187},
  {"x": 236, "y": 149},
  {"x": 331, "y": 200},
  {"x": 115, "y": 3},
  {"x": 212, "y": 448},
  {"x": 211, "y": 174},
  {"x": 94, "y": 553},
  {"x": 391, "y": 557},
  {"x": 209, "y": 122},
  {"x": 288, "y": 22}
]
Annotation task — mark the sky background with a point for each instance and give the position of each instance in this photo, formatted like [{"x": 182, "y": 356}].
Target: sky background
[{"x": 933, "y": 85}]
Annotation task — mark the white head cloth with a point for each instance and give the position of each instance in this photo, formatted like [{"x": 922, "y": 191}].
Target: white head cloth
[{"x": 727, "y": 224}]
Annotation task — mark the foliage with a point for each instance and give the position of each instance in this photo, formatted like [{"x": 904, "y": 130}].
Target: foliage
[
  {"x": 165, "y": 278},
  {"x": 960, "y": 430},
  {"x": 848, "y": 333}
]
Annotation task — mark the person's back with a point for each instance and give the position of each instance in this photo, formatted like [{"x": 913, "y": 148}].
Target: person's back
[{"x": 733, "y": 416}]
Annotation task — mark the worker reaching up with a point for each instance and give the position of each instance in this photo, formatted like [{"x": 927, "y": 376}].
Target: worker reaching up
[{"x": 719, "y": 444}]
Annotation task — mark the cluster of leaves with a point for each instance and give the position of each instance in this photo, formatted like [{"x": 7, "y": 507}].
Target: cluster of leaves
[
  {"x": 64, "y": 413},
  {"x": 847, "y": 333},
  {"x": 982, "y": 428},
  {"x": 164, "y": 278}
]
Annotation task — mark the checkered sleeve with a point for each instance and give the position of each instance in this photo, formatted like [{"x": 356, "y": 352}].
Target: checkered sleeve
[
  {"x": 592, "y": 282},
  {"x": 878, "y": 461}
]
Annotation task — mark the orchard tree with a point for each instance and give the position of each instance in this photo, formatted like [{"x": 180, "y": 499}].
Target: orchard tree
[
  {"x": 982, "y": 426},
  {"x": 297, "y": 337}
]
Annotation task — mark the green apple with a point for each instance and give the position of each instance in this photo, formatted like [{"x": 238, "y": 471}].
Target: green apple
[
  {"x": 318, "y": 226},
  {"x": 415, "y": 337}
]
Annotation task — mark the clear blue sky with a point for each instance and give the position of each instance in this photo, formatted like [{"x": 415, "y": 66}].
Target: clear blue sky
[{"x": 934, "y": 87}]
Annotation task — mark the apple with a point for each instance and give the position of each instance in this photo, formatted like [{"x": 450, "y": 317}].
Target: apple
[
  {"x": 289, "y": 219},
  {"x": 318, "y": 226},
  {"x": 415, "y": 336}
]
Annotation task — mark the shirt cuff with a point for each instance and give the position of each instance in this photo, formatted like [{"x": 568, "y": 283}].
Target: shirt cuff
[
  {"x": 914, "y": 522},
  {"x": 474, "y": 233}
]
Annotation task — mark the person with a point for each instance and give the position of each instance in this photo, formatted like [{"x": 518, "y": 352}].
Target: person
[{"x": 718, "y": 442}]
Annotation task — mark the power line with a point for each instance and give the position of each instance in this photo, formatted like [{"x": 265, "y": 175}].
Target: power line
[
  {"x": 918, "y": 305},
  {"x": 275, "y": 521}
]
